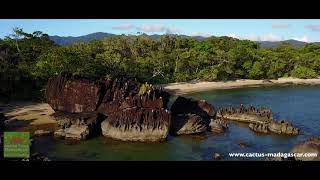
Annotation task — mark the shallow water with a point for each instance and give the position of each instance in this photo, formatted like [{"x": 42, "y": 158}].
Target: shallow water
[{"x": 298, "y": 104}]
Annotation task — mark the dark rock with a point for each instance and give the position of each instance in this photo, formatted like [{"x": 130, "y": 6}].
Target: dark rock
[
  {"x": 246, "y": 114},
  {"x": 125, "y": 94},
  {"x": 187, "y": 124},
  {"x": 65, "y": 93},
  {"x": 137, "y": 124},
  {"x": 184, "y": 105},
  {"x": 81, "y": 105}
]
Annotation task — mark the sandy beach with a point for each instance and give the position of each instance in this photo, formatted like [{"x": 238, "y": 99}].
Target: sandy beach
[
  {"x": 28, "y": 116},
  {"x": 190, "y": 87}
]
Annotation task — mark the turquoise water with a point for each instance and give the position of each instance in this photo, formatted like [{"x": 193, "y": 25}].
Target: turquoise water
[{"x": 298, "y": 104}]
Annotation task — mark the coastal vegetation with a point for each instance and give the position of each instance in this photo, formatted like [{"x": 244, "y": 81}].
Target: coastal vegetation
[{"x": 27, "y": 60}]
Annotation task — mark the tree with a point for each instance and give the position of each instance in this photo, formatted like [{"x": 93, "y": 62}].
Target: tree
[
  {"x": 256, "y": 72},
  {"x": 303, "y": 72}
]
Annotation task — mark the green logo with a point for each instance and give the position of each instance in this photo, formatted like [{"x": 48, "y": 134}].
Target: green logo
[{"x": 16, "y": 144}]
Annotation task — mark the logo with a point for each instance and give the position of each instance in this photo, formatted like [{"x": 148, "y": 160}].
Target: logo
[{"x": 16, "y": 144}]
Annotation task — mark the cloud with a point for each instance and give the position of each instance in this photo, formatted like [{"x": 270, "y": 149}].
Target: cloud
[
  {"x": 264, "y": 37},
  {"x": 313, "y": 27},
  {"x": 280, "y": 26},
  {"x": 157, "y": 28},
  {"x": 303, "y": 38},
  {"x": 124, "y": 27},
  {"x": 148, "y": 28},
  {"x": 234, "y": 36},
  {"x": 200, "y": 34}
]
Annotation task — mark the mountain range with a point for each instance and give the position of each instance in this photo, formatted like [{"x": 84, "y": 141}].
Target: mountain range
[{"x": 61, "y": 40}]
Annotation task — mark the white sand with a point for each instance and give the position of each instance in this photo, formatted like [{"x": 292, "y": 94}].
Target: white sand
[{"x": 189, "y": 87}]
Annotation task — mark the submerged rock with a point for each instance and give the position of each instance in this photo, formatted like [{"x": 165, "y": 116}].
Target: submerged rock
[
  {"x": 242, "y": 144},
  {"x": 137, "y": 124},
  {"x": 187, "y": 124},
  {"x": 218, "y": 125},
  {"x": 184, "y": 105}
]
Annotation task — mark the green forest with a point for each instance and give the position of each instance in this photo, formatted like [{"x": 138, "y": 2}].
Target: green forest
[{"x": 27, "y": 60}]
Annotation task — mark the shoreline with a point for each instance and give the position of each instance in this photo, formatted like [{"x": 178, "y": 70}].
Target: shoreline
[
  {"x": 36, "y": 115},
  {"x": 28, "y": 116},
  {"x": 194, "y": 86}
]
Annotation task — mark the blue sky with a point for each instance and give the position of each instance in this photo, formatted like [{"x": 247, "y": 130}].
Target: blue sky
[{"x": 307, "y": 30}]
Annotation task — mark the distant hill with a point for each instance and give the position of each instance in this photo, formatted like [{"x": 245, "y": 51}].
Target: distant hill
[
  {"x": 61, "y": 40},
  {"x": 275, "y": 44}
]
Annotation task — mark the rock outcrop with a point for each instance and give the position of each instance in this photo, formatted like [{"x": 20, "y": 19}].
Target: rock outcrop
[
  {"x": 184, "y": 105},
  {"x": 244, "y": 114},
  {"x": 259, "y": 127},
  {"x": 219, "y": 125},
  {"x": 311, "y": 145},
  {"x": 78, "y": 126},
  {"x": 125, "y": 94},
  {"x": 190, "y": 116},
  {"x": 277, "y": 127},
  {"x": 121, "y": 103},
  {"x": 137, "y": 124},
  {"x": 70, "y": 94},
  {"x": 187, "y": 124},
  {"x": 283, "y": 127},
  {"x": 260, "y": 120}
]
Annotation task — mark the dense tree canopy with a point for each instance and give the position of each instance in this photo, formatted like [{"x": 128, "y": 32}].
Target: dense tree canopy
[{"x": 171, "y": 59}]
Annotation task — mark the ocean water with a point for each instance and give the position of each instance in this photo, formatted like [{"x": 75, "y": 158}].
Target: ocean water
[{"x": 298, "y": 104}]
